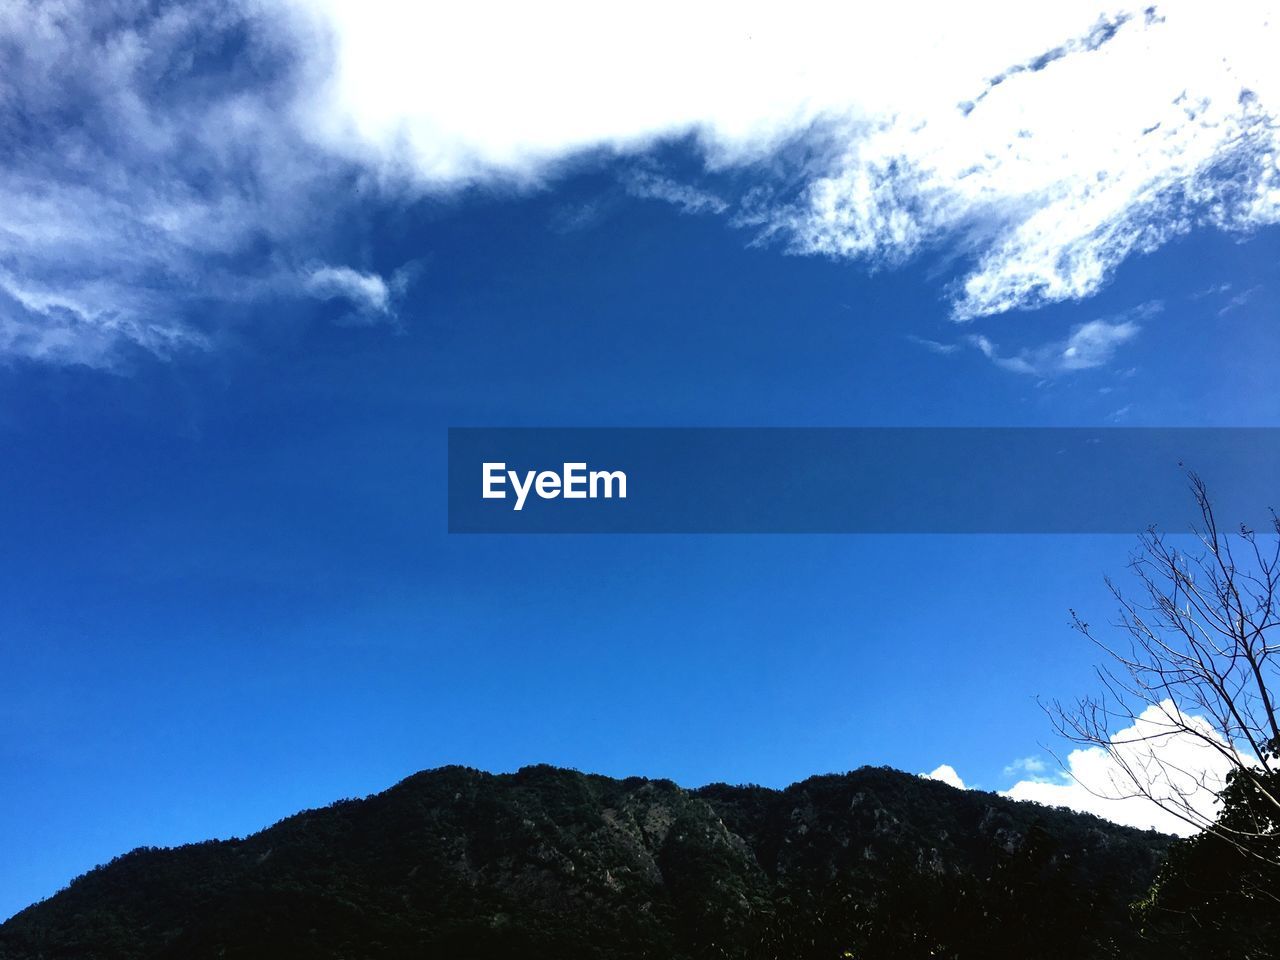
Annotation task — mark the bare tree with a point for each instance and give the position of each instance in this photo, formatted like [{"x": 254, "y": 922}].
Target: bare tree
[{"x": 1195, "y": 660}]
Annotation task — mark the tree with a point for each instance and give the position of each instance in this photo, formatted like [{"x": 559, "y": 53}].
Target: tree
[{"x": 1195, "y": 662}]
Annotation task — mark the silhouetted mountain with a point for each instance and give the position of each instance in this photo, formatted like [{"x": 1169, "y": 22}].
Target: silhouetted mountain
[{"x": 457, "y": 864}]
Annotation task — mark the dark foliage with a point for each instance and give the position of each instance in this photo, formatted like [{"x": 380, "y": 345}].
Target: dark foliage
[
  {"x": 458, "y": 864},
  {"x": 1218, "y": 893}
]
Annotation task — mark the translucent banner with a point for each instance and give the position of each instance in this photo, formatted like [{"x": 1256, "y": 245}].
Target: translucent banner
[{"x": 856, "y": 480}]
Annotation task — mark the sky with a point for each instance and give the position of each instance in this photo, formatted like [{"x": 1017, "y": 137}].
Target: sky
[{"x": 256, "y": 258}]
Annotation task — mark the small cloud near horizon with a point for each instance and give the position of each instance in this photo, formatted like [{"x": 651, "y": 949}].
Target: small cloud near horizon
[
  {"x": 945, "y": 773},
  {"x": 1186, "y": 767}
]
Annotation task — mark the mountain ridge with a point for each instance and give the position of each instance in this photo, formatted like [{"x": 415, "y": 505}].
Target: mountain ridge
[{"x": 549, "y": 862}]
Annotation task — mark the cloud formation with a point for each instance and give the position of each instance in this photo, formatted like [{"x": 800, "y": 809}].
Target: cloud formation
[
  {"x": 1049, "y": 149},
  {"x": 1153, "y": 760},
  {"x": 1179, "y": 767},
  {"x": 159, "y": 159},
  {"x": 1089, "y": 345},
  {"x": 147, "y": 170},
  {"x": 933, "y": 346},
  {"x": 1035, "y": 766},
  {"x": 1052, "y": 172},
  {"x": 646, "y": 185},
  {"x": 946, "y": 774}
]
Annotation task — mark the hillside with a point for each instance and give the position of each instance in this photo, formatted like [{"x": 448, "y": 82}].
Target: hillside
[{"x": 456, "y": 864}]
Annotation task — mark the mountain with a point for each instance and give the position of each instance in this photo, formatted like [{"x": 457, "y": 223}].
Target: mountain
[{"x": 457, "y": 864}]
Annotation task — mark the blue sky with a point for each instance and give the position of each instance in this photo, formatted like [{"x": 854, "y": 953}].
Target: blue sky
[{"x": 246, "y": 286}]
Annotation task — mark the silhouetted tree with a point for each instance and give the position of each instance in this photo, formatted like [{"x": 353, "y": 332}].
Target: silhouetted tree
[{"x": 1195, "y": 663}]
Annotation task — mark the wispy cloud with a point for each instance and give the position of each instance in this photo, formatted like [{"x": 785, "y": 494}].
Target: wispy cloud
[
  {"x": 1239, "y": 300},
  {"x": 1093, "y": 344},
  {"x": 148, "y": 169},
  {"x": 575, "y": 217},
  {"x": 1088, "y": 346},
  {"x": 1033, "y": 765},
  {"x": 934, "y": 346},
  {"x": 371, "y": 297},
  {"x": 1213, "y": 291},
  {"x": 648, "y": 185},
  {"x": 1061, "y": 168}
]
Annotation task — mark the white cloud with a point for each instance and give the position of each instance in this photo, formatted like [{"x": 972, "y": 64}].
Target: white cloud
[
  {"x": 1016, "y": 364},
  {"x": 1088, "y": 346},
  {"x": 1239, "y": 300},
  {"x": 1050, "y": 142},
  {"x": 1156, "y": 759},
  {"x": 946, "y": 774},
  {"x": 1181, "y": 768},
  {"x": 1094, "y": 343},
  {"x": 82, "y": 322},
  {"x": 647, "y": 185},
  {"x": 1031, "y": 765},
  {"x": 158, "y": 159},
  {"x": 368, "y": 292},
  {"x": 574, "y": 217},
  {"x": 933, "y": 346}
]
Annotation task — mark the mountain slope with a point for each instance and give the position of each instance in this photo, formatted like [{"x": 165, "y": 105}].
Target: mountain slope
[{"x": 454, "y": 863}]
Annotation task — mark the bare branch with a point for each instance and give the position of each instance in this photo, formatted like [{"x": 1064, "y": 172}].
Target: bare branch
[{"x": 1194, "y": 661}]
